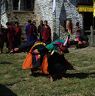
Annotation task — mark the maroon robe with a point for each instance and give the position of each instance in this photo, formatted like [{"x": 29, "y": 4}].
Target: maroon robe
[
  {"x": 46, "y": 34},
  {"x": 10, "y": 37},
  {"x": 18, "y": 32}
]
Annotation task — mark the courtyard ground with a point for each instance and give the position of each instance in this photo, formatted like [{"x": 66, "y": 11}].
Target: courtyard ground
[{"x": 81, "y": 82}]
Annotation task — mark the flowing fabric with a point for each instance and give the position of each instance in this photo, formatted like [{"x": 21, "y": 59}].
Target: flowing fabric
[
  {"x": 27, "y": 64},
  {"x": 33, "y": 55},
  {"x": 52, "y": 46},
  {"x": 54, "y": 6},
  {"x": 39, "y": 49},
  {"x": 44, "y": 66}
]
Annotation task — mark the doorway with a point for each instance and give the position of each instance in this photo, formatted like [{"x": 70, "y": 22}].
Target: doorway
[{"x": 87, "y": 21}]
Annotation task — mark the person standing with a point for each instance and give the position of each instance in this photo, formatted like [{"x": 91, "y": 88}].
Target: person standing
[
  {"x": 10, "y": 36},
  {"x": 78, "y": 30},
  {"x": 69, "y": 26},
  {"x": 27, "y": 29},
  {"x": 34, "y": 30},
  {"x": 46, "y": 33},
  {"x": 18, "y": 32},
  {"x": 31, "y": 31},
  {"x": 40, "y": 27},
  {"x": 1, "y": 38}
]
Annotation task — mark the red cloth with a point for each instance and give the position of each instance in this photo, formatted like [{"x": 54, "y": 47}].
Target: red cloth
[
  {"x": 46, "y": 33},
  {"x": 18, "y": 30},
  {"x": 10, "y": 33},
  {"x": 10, "y": 36}
]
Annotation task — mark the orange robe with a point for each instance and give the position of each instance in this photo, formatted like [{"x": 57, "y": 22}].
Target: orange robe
[{"x": 28, "y": 62}]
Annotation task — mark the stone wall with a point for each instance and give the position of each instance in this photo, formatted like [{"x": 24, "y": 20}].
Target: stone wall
[
  {"x": 4, "y": 19},
  {"x": 43, "y": 11},
  {"x": 21, "y": 16},
  {"x": 71, "y": 12},
  {"x": 66, "y": 9}
]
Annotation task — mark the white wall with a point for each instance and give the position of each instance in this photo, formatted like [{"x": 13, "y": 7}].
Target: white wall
[
  {"x": 4, "y": 19},
  {"x": 43, "y": 11}
]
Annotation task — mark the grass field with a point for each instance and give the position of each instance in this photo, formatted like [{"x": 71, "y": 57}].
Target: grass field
[{"x": 81, "y": 82}]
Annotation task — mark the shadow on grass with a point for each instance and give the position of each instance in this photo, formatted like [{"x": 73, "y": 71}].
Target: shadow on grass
[
  {"x": 73, "y": 75},
  {"x": 4, "y": 91},
  {"x": 5, "y": 62},
  {"x": 37, "y": 74},
  {"x": 80, "y": 75}
]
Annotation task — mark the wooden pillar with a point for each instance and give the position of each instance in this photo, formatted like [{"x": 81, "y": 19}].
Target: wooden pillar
[
  {"x": 19, "y": 5},
  {"x": 10, "y": 5},
  {"x": 22, "y": 5},
  {"x": 0, "y": 11},
  {"x": 91, "y": 36}
]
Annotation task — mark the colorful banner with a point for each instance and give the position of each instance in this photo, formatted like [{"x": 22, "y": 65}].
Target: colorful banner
[
  {"x": 54, "y": 6},
  {"x": 85, "y": 8},
  {"x": 94, "y": 9}
]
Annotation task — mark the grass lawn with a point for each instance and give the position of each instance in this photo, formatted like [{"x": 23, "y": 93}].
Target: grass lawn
[{"x": 16, "y": 82}]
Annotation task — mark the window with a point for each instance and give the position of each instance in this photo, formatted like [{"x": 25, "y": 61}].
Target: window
[
  {"x": 27, "y": 5},
  {"x": 85, "y": 2},
  {"x": 15, "y": 4},
  {"x": 3, "y": 8},
  {"x": 6, "y": 4}
]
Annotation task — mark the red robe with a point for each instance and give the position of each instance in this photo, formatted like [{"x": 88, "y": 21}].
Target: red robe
[
  {"x": 46, "y": 34},
  {"x": 10, "y": 36},
  {"x": 18, "y": 36}
]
